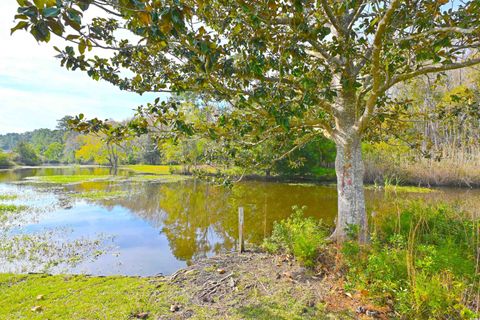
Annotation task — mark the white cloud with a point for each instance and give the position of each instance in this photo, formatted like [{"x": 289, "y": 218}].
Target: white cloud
[{"x": 35, "y": 90}]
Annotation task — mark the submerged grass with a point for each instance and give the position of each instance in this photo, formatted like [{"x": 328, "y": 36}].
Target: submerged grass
[
  {"x": 9, "y": 211},
  {"x": 7, "y": 197},
  {"x": 69, "y": 179},
  {"x": 77, "y": 179},
  {"x": 101, "y": 194}
]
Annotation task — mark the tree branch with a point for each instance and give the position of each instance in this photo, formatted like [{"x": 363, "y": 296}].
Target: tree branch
[
  {"x": 432, "y": 69},
  {"x": 376, "y": 62},
  {"x": 331, "y": 17}
]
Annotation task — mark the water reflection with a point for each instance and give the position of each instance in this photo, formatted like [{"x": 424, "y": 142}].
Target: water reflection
[{"x": 159, "y": 228}]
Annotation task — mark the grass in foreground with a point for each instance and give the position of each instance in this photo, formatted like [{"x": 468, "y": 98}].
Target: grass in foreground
[
  {"x": 247, "y": 288},
  {"x": 79, "y": 297},
  {"x": 422, "y": 262}
]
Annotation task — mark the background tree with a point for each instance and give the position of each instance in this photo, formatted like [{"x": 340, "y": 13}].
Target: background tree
[
  {"x": 5, "y": 161},
  {"x": 299, "y": 68},
  {"x": 26, "y": 154},
  {"x": 54, "y": 152}
]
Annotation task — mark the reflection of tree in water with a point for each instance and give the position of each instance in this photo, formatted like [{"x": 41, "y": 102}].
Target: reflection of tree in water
[
  {"x": 191, "y": 214},
  {"x": 198, "y": 218}
]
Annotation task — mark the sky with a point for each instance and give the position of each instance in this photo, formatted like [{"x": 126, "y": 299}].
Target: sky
[{"x": 35, "y": 90}]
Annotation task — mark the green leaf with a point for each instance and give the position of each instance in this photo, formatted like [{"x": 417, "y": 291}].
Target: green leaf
[
  {"x": 74, "y": 15},
  {"x": 51, "y": 12},
  {"x": 72, "y": 37},
  {"x": 40, "y": 31},
  {"x": 82, "y": 46},
  {"x": 56, "y": 27},
  {"x": 39, "y": 3},
  {"x": 30, "y": 11},
  {"x": 20, "y": 25}
]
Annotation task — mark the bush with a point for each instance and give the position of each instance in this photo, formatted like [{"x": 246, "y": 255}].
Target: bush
[
  {"x": 26, "y": 154},
  {"x": 5, "y": 160},
  {"x": 297, "y": 235},
  {"x": 424, "y": 260}
]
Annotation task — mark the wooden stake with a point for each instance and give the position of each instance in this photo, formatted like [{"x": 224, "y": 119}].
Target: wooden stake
[{"x": 241, "y": 245}]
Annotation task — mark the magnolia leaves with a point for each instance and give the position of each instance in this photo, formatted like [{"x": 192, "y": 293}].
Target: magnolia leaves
[{"x": 46, "y": 16}]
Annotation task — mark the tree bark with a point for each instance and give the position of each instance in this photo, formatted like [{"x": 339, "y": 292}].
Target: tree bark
[{"x": 352, "y": 217}]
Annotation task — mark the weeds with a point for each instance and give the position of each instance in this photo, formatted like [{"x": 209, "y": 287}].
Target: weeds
[
  {"x": 424, "y": 262},
  {"x": 303, "y": 237}
]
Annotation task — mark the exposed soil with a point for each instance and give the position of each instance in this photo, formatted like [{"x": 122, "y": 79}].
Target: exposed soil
[{"x": 258, "y": 284}]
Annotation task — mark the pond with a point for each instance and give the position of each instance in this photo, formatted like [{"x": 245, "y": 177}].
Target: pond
[{"x": 146, "y": 227}]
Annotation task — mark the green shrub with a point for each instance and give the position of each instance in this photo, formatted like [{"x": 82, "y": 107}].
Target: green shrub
[
  {"x": 5, "y": 160},
  {"x": 424, "y": 259},
  {"x": 303, "y": 237},
  {"x": 26, "y": 154}
]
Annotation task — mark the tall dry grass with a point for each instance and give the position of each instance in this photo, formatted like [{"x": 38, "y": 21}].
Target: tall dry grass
[{"x": 451, "y": 168}]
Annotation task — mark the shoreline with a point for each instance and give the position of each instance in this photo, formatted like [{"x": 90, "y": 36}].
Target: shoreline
[
  {"x": 251, "y": 285},
  {"x": 257, "y": 177}
]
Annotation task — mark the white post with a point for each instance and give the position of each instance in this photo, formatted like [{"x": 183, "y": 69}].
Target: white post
[{"x": 241, "y": 245}]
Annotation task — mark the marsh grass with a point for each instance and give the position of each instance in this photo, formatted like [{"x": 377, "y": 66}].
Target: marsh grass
[
  {"x": 100, "y": 195},
  {"x": 152, "y": 169},
  {"x": 423, "y": 259},
  {"x": 69, "y": 179},
  {"x": 8, "y": 197},
  {"x": 453, "y": 167},
  {"x": 9, "y": 212}
]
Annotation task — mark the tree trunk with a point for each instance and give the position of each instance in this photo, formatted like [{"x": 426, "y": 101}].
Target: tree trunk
[{"x": 352, "y": 217}]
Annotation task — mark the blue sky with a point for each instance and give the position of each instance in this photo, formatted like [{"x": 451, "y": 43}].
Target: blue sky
[{"x": 35, "y": 90}]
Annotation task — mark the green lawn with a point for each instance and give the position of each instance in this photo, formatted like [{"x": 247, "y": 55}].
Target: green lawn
[{"x": 80, "y": 297}]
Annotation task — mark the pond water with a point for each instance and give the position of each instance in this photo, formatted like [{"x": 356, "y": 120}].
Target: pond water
[{"x": 155, "y": 228}]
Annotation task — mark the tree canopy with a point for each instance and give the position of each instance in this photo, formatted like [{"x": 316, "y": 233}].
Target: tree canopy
[{"x": 301, "y": 68}]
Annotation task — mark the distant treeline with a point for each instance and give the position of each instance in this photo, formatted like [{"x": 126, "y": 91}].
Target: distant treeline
[{"x": 432, "y": 139}]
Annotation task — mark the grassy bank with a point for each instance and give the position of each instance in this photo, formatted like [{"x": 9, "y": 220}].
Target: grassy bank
[
  {"x": 422, "y": 263},
  {"x": 384, "y": 162},
  {"x": 78, "y": 297},
  {"x": 224, "y": 287}
]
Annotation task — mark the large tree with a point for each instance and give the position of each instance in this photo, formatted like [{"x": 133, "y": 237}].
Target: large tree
[{"x": 298, "y": 67}]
